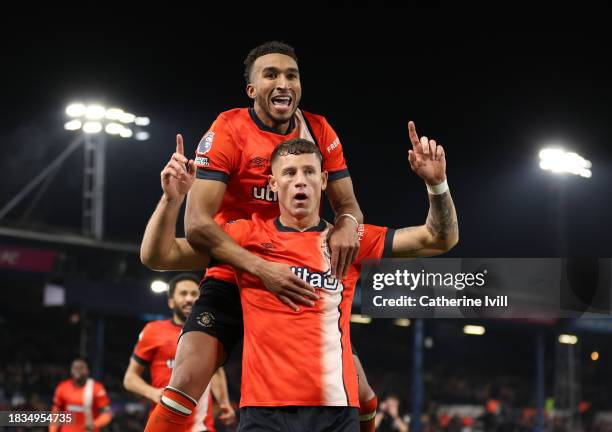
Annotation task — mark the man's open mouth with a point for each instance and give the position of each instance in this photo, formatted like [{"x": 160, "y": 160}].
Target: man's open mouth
[
  {"x": 300, "y": 196},
  {"x": 281, "y": 101}
]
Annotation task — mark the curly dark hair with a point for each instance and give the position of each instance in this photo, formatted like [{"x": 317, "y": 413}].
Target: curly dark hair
[
  {"x": 270, "y": 47},
  {"x": 179, "y": 278},
  {"x": 296, "y": 146}
]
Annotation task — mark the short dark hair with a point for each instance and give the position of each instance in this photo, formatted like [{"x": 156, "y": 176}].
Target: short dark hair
[
  {"x": 296, "y": 146},
  {"x": 270, "y": 47},
  {"x": 179, "y": 278}
]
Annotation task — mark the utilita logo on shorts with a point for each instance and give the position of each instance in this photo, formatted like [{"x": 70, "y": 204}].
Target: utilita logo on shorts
[
  {"x": 318, "y": 279},
  {"x": 265, "y": 193}
]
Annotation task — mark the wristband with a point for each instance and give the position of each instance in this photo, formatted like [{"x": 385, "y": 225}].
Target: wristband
[
  {"x": 438, "y": 189},
  {"x": 348, "y": 215}
]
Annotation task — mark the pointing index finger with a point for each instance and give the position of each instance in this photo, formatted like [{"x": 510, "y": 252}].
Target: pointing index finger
[
  {"x": 179, "y": 144},
  {"x": 414, "y": 138}
]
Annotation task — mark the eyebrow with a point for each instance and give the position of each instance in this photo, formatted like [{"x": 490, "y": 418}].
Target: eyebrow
[{"x": 275, "y": 69}]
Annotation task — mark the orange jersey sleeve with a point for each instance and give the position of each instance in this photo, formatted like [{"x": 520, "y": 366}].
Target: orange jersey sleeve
[
  {"x": 330, "y": 146},
  {"x": 375, "y": 242},
  {"x": 58, "y": 397},
  {"x": 100, "y": 397},
  {"x": 217, "y": 155},
  {"x": 147, "y": 344}
]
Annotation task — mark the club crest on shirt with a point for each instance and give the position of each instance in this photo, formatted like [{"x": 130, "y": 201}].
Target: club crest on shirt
[
  {"x": 206, "y": 319},
  {"x": 206, "y": 142}
]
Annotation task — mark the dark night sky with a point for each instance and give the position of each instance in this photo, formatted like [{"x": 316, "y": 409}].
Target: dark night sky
[{"x": 492, "y": 95}]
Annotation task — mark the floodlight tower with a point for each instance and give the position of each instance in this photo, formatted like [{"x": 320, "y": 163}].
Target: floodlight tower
[{"x": 96, "y": 122}]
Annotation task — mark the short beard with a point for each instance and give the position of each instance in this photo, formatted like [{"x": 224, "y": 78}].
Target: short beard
[
  {"x": 179, "y": 313},
  {"x": 80, "y": 381}
]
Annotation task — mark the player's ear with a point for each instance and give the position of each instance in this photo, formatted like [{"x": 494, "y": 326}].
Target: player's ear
[
  {"x": 250, "y": 91},
  {"x": 323, "y": 180},
  {"x": 171, "y": 303},
  {"x": 272, "y": 182}
]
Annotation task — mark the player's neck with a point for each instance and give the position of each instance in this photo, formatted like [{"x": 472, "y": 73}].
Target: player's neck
[
  {"x": 80, "y": 383},
  {"x": 177, "y": 321},
  {"x": 300, "y": 224},
  {"x": 280, "y": 128}
]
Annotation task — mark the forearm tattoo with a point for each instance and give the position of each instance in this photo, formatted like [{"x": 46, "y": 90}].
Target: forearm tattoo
[{"x": 442, "y": 217}]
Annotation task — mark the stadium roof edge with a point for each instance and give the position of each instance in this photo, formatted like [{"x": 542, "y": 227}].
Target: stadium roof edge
[{"x": 71, "y": 239}]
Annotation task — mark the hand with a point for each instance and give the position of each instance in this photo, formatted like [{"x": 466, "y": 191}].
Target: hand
[
  {"x": 228, "y": 415},
  {"x": 281, "y": 281},
  {"x": 383, "y": 407},
  {"x": 156, "y": 394},
  {"x": 344, "y": 245},
  {"x": 89, "y": 426},
  {"x": 178, "y": 175},
  {"x": 393, "y": 408},
  {"x": 426, "y": 158}
]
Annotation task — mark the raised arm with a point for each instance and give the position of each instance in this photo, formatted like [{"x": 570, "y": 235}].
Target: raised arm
[
  {"x": 441, "y": 230},
  {"x": 160, "y": 249}
]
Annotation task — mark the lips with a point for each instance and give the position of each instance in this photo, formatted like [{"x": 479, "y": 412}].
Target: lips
[{"x": 282, "y": 103}]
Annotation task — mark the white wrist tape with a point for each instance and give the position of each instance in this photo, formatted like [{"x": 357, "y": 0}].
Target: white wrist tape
[
  {"x": 348, "y": 215},
  {"x": 438, "y": 189}
]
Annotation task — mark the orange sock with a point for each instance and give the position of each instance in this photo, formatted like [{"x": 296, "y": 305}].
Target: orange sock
[
  {"x": 367, "y": 414},
  {"x": 172, "y": 413}
]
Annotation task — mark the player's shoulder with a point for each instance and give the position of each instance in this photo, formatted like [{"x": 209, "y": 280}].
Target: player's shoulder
[
  {"x": 315, "y": 120},
  {"x": 64, "y": 384},
  {"x": 157, "y": 324},
  {"x": 234, "y": 114}
]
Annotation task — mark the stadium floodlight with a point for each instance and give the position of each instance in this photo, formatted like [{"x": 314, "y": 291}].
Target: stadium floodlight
[
  {"x": 127, "y": 118},
  {"x": 75, "y": 110},
  {"x": 474, "y": 330},
  {"x": 594, "y": 356},
  {"x": 158, "y": 286},
  {"x": 568, "y": 339},
  {"x": 402, "y": 322},
  {"x": 95, "y": 118},
  {"x": 142, "y": 121},
  {"x": 126, "y": 132},
  {"x": 113, "y": 113},
  {"x": 95, "y": 112},
  {"x": 558, "y": 160},
  {"x": 73, "y": 125},
  {"x": 92, "y": 127},
  {"x": 113, "y": 128},
  {"x": 360, "y": 319},
  {"x": 142, "y": 135}
]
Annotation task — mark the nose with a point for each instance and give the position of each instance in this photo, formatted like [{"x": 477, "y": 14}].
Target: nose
[
  {"x": 282, "y": 82},
  {"x": 300, "y": 179}
]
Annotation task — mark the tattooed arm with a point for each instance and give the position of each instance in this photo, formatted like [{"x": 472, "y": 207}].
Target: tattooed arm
[
  {"x": 441, "y": 230},
  {"x": 439, "y": 234}
]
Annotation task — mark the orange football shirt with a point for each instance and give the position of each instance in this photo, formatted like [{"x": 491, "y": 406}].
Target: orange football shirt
[
  {"x": 83, "y": 402},
  {"x": 237, "y": 149},
  {"x": 156, "y": 348},
  {"x": 300, "y": 358}
]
